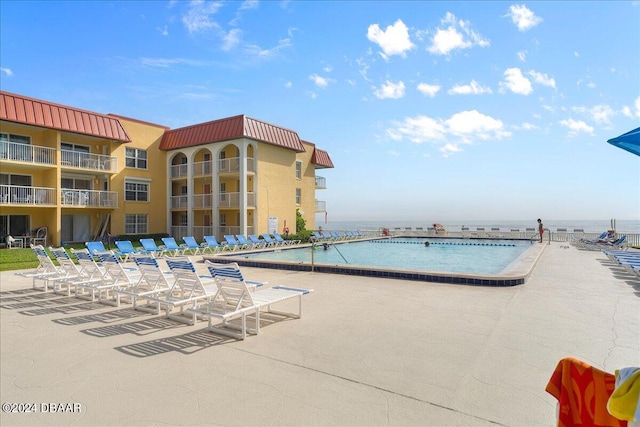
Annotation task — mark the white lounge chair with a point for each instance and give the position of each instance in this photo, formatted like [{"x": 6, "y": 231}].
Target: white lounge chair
[
  {"x": 46, "y": 267},
  {"x": 236, "y": 301},
  {"x": 187, "y": 291},
  {"x": 117, "y": 278},
  {"x": 152, "y": 281},
  {"x": 69, "y": 274}
]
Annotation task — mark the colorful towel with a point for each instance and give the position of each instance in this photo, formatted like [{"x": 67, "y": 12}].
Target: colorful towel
[
  {"x": 582, "y": 392},
  {"x": 624, "y": 403}
]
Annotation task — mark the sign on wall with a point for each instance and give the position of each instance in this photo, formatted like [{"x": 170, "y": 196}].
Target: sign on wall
[{"x": 273, "y": 224}]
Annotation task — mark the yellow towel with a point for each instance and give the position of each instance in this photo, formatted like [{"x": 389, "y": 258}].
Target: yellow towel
[{"x": 624, "y": 402}]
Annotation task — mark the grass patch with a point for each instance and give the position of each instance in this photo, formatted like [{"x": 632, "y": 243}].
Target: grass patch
[{"x": 17, "y": 259}]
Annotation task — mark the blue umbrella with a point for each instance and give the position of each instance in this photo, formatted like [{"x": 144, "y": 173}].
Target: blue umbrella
[{"x": 629, "y": 141}]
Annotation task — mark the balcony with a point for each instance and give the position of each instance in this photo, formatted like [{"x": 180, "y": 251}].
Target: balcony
[
  {"x": 232, "y": 165},
  {"x": 12, "y": 151},
  {"x": 179, "y": 202},
  {"x": 232, "y": 200},
  {"x": 202, "y": 168},
  {"x": 26, "y": 195},
  {"x": 201, "y": 201},
  {"x": 89, "y": 198},
  {"x": 321, "y": 183},
  {"x": 321, "y": 206},
  {"x": 178, "y": 171},
  {"x": 95, "y": 162}
]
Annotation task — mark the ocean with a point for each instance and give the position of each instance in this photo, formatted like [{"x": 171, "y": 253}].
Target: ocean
[{"x": 589, "y": 226}]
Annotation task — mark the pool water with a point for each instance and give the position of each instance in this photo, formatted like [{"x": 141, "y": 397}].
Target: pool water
[{"x": 442, "y": 255}]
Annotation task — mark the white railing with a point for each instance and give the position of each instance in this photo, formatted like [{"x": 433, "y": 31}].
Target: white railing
[
  {"x": 202, "y": 168},
  {"x": 27, "y": 153},
  {"x": 26, "y": 195},
  {"x": 75, "y": 159},
  {"x": 179, "y": 202},
  {"x": 202, "y": 201},
  {"x": 321, "y": 206},
  {"x": 199, "y": 231},
  {"x": 229, "y": 165},
  {"x": 321, "y": 182},
  {"x": 89, "y": 198},
  {"x": 232, "y": 200},
  {"x": 178, "y": 171},
  {"x": 178, "y": 232}
]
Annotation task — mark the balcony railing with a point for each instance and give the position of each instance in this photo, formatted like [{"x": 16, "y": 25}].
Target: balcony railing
[
  {"x": 89, "y": 198},
  {"x": 232, "y": 200},
  {"x": 321, "y": 183},
  {"x": 27, "y": 153},
  {"x": 202, "y": 201},
  {"x": 98, "y": 162},
  {"x": 321, "y": 206},
  {"x": 26, "y": 195},
  {"x": 179, "y": 202},
  {"x": 202, "y": 168},
  {"x": 178, "y": 171},
  {"x": 233, "y": 165},
  {"x": 178, "y": 231}
]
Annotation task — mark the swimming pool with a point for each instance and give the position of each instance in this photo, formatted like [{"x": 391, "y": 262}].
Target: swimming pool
[{"x": 460, "y": 261}]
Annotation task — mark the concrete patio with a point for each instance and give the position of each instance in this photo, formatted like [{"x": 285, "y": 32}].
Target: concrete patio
[{"x": 366, "y": 352}]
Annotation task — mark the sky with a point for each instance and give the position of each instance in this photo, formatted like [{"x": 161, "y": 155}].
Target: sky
[{"x": 429, "y": 110}]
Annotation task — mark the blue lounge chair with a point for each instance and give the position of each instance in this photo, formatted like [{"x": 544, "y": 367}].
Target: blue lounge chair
[
  {"x": 256, "y": 241},
  {"x": 213, "y": 245},
  {"x": 244, "y": 242},
  {"x": 317, "y": 236},
  {"x": 150, "y": 246},
  {"x": 172, "y": 247},
  {"x": 233, "y": 243},
  {"x": 270, "y": 242},
  {"x": 192, "y": 246},
  {"x": 126, "y": 249},
  {"x": 283, "y": 242},
  {"x": 94, "y": 247}
]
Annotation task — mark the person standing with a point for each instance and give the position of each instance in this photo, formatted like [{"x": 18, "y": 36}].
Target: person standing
[{"x": 540, "y": 229}]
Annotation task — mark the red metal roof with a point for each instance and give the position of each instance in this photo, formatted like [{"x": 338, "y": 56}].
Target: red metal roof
[
  {"x": 231, "y": 128},
  {"x": 321, "y": 158},
  {"x": 29, "y": 111}
]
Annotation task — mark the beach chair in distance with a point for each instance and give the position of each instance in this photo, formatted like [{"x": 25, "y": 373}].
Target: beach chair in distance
[
  {"x": 285, "y": 242},
  {"x": 213, "y": 245},
  {"x": 90, "y": 269},
  {"x": 68, "y": 272},
  {"x": 188, "y": 290},
  {"x": 96, "y": 246},
  {"x": 126, "y": 249},
  {"x": 150, "y": 246},
  {"x": 259, "y": 244},
  {"x": 244, "y": 242},
  {"x": 317, "y": 236},
  {"x": 233, "y": 243},
  {"x": 172, "y": 247},
  {"x": 268, "y": 240},
  {"x": 117, "y": 278},
  {"x": 237, "y": 300},
  {"x": 193, "y": 246}
]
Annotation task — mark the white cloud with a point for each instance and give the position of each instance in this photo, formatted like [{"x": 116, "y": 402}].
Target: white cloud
[
  {"x": 601, "y": 114},
  {"x": 394, "y": 40},
  {"x": 522, "y": 55},
  {"x": 393, "y": 153},
  {"x": 390, "y": 90},
  {"x": 428, "y": 90},
  {"x": 327, "y": 69},
  {"x": 524, "y": 18},
  {"x": 321, "y": 82},
  {"x": 526, "y": 126},
  {"x": 637, "y": 105},
  {"x": 199, "y": 16},
  {"x": 542, "y": 79},
  {"x": 472, "y": 88},
  {"x": 516, "y": 82},
  {"x": 288, "y": 85},
  {"x": 164, "y": 30},
  {"x": 231, "y": 39},
  {"x": 256, "y": 50},
  {"x": 6, "y": 71},
  {"x": 461, "y": 128},
  {"x": 249, "y": 4},
  {"x": 455, "y": 34},
  {"x": 168, "y": 62},
  {"x": 576, "y": 126},
  {"x": 626, "y": 111}
]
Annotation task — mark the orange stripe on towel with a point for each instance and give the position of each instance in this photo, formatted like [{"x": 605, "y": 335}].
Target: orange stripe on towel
[{"x": 582, "y": 392}]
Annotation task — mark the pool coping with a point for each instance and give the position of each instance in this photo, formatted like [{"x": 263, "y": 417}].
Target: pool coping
[{"x": 515, "y": 274}]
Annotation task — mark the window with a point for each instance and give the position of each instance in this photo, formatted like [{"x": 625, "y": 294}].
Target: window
[
  {"x": 223, "y": 220},
  {"x": 136, "y": 158},
  {"x": 136, "y": 190},
  {"x": 298, "y": 196},
  {"x": 223, "y": 190},
  {"x": 73, "y": 147},
  {"x": 183, "y": 220},
  {"x": 135, "y": 224},
  {"x": 19, "y": 139},
  {"x": 75, "y": 183},
  {"x": 298, "y": 169}
]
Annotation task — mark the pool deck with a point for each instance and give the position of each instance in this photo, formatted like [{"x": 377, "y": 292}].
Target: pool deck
[{"x": 367, "y": 351}]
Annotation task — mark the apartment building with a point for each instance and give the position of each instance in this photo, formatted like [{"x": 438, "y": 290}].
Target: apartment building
[{"x": 82, "y": 174}]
